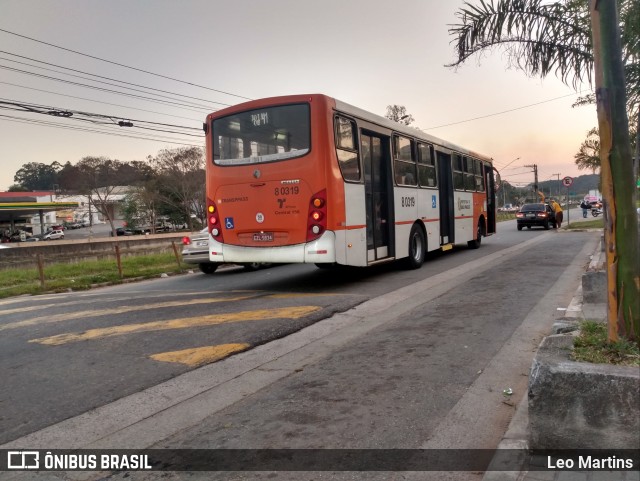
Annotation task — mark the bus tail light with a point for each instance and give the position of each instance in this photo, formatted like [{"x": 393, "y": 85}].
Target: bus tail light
[
  {"x": 214, "y": 221},
  {"x": 317, "y": 220}
]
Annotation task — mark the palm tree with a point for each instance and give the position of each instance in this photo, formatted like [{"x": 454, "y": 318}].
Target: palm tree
[
  {"x": 588, "y": 157},
  {"x": 542, "y": 38}
]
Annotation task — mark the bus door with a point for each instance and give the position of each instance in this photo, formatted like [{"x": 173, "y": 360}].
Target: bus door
[
  {"x": 491, "y": 198},
  {"x": 447, "y": 213},
  {"x": 376, "y": 158}
]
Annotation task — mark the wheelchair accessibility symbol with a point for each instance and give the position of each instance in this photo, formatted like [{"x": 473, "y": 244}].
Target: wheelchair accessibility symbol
[{"x": 228, "y": 222}]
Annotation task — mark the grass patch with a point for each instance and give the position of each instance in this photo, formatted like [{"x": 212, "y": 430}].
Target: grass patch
[
  {"x": 592, "y": 345},
  {"x": 60, "y": 277},
  {"x": 503, "y": 216},
  {"x": 587, "y": 224}
]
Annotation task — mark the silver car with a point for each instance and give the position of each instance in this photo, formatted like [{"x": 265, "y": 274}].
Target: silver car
[{"x": 195, "y": 250}]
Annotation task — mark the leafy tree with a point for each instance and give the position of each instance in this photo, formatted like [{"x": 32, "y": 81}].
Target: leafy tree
[
  {"x": 17, "y": 188},
  {"x": 143, "y": 205},
  {"x": 37, "y": 176},
  {"x": 181, "y": 180},
  {"x": 398, "y": 113},
  {"x": 97, "y": 177}
]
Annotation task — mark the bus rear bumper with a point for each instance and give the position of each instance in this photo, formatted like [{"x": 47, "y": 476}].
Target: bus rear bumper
[{"x": 321, "y": 250}]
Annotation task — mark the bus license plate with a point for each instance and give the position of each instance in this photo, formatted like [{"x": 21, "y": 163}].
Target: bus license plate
[{"x": 263, "y": 237}]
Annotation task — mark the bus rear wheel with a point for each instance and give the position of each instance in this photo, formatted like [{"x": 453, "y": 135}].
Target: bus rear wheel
[
  {"x": 417, "y": 248},
  {"x": 208, "y": 267},
  {"x": 475, "y": 243}
]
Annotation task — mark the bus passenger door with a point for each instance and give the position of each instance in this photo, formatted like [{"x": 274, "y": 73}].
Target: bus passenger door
[
  {"x": 491, "y": 198},
  {"x": 447, "y": 212},
  {"x": 376, "y": 160}
]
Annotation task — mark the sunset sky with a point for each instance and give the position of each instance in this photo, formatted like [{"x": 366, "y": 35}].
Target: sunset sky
[{"x": 368, "y": 53}]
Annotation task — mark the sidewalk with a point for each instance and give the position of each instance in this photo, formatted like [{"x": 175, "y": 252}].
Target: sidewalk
[{"x": 517, "y": 435}]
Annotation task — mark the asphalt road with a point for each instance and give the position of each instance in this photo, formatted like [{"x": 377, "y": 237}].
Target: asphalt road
[{"x": 423, "y": 341}]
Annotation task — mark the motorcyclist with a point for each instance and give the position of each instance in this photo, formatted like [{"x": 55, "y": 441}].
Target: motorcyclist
[{"x": 585, "y": 206}]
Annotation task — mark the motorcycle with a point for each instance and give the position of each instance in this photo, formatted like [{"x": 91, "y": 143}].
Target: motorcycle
[{"x": 596, "y": 211}]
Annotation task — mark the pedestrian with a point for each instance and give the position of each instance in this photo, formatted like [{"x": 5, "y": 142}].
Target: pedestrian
[
  {"x": 585, "y": 206},
  {"x": 558, "y": 211}
]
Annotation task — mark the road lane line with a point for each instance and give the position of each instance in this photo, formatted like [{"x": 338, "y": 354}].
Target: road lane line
[
  {"x": 199, "y": 356},
  {"x": 114, "y": 311},
  {"x": 212, "y": 320},
  {"x": 83, "y": 299}
]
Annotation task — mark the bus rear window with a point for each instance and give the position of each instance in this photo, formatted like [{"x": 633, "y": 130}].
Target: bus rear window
[{"x": 264, "y": 135}]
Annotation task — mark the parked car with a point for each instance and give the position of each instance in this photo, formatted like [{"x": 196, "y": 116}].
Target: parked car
[
  {"x": 195, "y": 250},
  {"x": 532, "y": 215},
  {"x": 122, "y": 231},
  {"x": 53, "y": 235},
  {"x": 57, "y": 227},
  {"x": 73, "y": 225}
]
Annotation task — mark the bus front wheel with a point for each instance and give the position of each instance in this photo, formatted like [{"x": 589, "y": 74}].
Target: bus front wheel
[{"x": 417, "y": 248}]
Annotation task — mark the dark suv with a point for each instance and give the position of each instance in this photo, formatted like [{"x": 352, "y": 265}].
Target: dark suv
[{"x": 540, "y": 215}]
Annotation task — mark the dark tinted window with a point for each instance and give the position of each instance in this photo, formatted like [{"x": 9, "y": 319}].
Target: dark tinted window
[{"x": 262, "y": 135}]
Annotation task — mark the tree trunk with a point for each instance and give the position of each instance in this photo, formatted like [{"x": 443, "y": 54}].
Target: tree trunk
[{"x": 618, "y": 182}]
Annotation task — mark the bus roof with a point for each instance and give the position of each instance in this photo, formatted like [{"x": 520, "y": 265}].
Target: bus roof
[
  {"x": 355, "y": 112},
  {"x": 405, "y": 129}
]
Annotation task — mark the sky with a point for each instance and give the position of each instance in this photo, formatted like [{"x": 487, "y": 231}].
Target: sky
[{"x": 207, "y": 54}]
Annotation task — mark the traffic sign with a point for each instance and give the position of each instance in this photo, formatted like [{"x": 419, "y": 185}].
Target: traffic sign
[{"x": 567, "y": 181}]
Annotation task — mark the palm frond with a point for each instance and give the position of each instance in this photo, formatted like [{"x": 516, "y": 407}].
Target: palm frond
[{"x": 537, "y": 38}]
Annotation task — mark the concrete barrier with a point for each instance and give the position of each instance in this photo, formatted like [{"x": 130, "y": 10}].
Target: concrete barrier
[
  {"x": 577, "y": 405},
  {"x": 24, "y": 255}
]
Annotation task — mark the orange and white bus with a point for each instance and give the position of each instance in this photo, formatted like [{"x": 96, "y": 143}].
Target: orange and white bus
[{"x": 311, "y": 179}]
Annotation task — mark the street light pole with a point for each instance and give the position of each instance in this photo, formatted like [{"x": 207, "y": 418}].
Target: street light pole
[{"x": 504, "y": 189}]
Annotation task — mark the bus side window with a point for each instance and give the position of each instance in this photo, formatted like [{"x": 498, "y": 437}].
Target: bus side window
[
  {"x": 469, "y": 176},
  {"x": 458, "y": 175},
  {"x": 479, "y": 176},
  {"x": 346, "y": 149},
  {"x": 426, "y": 166},
  {"x": 404, "y": 165}
]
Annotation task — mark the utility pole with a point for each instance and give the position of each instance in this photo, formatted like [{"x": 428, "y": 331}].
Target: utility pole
[
  {"x": 535, "y": 177},
  {"x": 558, "y": 189}
]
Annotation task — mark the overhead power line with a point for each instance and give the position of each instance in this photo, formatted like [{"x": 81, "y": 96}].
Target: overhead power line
[
  {"x": 99, "y": 101},
  {"x": 123, "y": 65},
  {"x": 95, "y": 75},
  {"x": 503, "y": 112},
  {"x": 10, "y": 118},
  {"x": 95, "y": 118},
  {"x": 170, "y": 101}
]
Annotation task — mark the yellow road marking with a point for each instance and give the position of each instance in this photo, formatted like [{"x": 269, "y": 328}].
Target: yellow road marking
[
  {"x": 84, "y": 299},
  {"x": 261, "y": 314},
  {"x": 200, "y": 355},
  {"x": 113, "y": 311}
]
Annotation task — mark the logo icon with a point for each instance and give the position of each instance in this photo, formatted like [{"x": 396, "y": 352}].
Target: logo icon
[
  {"x": 228, "y": 222},
  {"x": 23, "y": 460},
  {"x": 434, "y": 203},
  {"x": 260, "y": 217}
]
